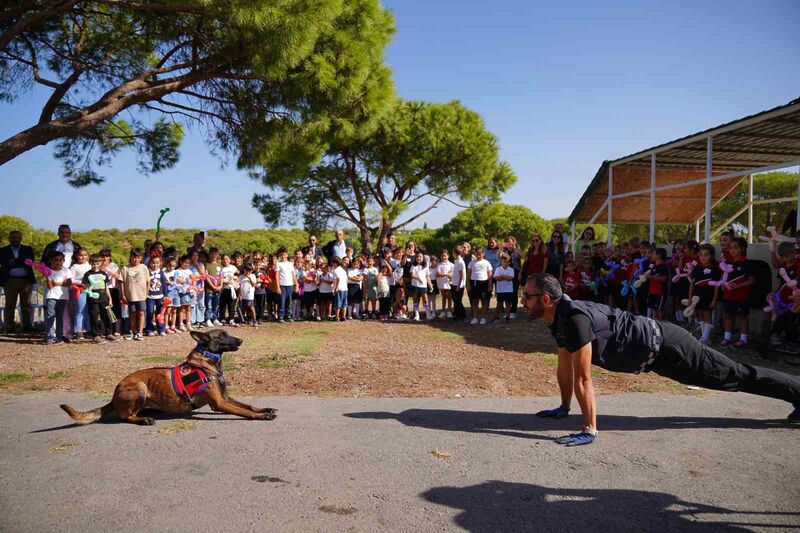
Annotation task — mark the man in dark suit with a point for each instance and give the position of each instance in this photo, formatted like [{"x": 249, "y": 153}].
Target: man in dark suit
[
  {"x": 17, "y": 280},
  {"x": 312, "y": 249}
]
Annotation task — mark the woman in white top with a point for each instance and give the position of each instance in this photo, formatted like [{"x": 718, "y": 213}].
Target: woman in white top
[
  {"x": 420, "y": 283},
  {"x": 479, "y": 272},
  {"x": 444, "y": 273}
]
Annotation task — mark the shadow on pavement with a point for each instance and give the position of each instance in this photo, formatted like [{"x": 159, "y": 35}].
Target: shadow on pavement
[
  {"x": 516, "y": 424},
  {"x": 503, "y": 506}
]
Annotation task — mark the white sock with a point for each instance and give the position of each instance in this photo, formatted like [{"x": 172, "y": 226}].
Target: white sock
[
  {"x": 416, "y": 307},
  {"x": 650, "y": 313},
  {"x": 743, "y": 337},
  {"x": 357, "y": 308},
  {"x": 678, "y": 315},
  {"x": 728, "y": 335},
  {"x": 706, "y": 329}
]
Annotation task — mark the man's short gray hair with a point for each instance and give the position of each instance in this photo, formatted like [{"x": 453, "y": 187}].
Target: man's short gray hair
[{"x": 547, "y": 284}]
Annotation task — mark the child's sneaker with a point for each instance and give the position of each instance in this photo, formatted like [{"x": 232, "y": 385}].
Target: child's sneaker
[
  {"x": 209, "y": 323},
  {"x": 111, "y": 338},
  {"x": 473, "y": 321},
  {"x": 725, "y": 343},
  {"x": 416, "y": 316},
  {"x": 740, "y": 344},
  {"x": 151, "y": 333},
  {"x": 128, "y": 336},
  {"x": 138, "y": 337},
  {"x": 78, "y": 337},
  {"x": 450, "y": 315},
  {"x": 512, "y": 316},
  {"x": 775, "y": 339},
  {"x": 162, "y": 333},
  {"x": 217, "y": 324},
  {"x": 99, "y": 340},
  {"x": 483, "y": 322}
]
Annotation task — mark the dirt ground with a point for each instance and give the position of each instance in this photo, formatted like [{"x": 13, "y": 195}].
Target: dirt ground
[{"x": 353, "y": 359}]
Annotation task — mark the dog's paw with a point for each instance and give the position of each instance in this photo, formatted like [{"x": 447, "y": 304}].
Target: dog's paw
[
  {"x": 268, "y": 415},
  {"x": 147, "y": 421},
  {"x": 268, "y": 410}
]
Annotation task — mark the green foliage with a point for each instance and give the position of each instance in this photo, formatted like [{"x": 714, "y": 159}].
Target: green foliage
[
  {"x": 120, "y": 242},
  {"x": 767, "y": 185},
  {"x": 477, "y": 224},
  {"x": 420, "y": 155},
  {"x": 246, "y": 71}
]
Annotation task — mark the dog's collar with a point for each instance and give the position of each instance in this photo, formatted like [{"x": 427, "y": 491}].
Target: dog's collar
[{"x": 214, "y": 356}]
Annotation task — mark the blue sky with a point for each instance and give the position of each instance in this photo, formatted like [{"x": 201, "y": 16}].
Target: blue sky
[{"x": 563, "y": 85}]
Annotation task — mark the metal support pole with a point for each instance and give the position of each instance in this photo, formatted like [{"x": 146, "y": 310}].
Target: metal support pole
[
  {"x": 610, "y": 193},
  {"x": 709, "y": 173},
  {"x": 797, "y": 222},
  {"x": 653, "y": 198},
  {"x": 750, "y": 210},
  {"x": 572, "y": 240},
  {"x": 697, "y": 230}
]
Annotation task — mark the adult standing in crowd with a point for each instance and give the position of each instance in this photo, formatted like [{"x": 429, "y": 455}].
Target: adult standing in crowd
[
  {"x": 535, "y": 259},
  {"x": 510, "y": 247},
  {"x": 337, "y": 247},
  {"x": 312, "y": 249},
  {"x": 63, "y": 244},
  {"x": 556, "y": 253},
  {"x": 391, "y": 242},
  {"x": 197, "y": 243},
  {"x": 559, "y": 227},
  {"x": 589, "y": 333},
  {"x": 587, "y": 238},
  {"x": 17, "y": 280}
]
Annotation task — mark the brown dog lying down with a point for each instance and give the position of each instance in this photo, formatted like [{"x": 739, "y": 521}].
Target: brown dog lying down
[{"x": 194, "y": 383}]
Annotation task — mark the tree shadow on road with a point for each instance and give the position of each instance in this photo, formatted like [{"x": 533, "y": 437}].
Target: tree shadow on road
[
  {"x": 503, "y": 506},
  {"x": 520, "y": 424}
]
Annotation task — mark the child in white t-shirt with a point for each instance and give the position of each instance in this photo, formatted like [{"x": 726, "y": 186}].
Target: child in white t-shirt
[
  {"x": 247, "y": 290},
  {"x": 287, "y": 283},
  {"x": 326, "y": 282},
  {"x": 444, "y": 273},
  {"x": 340, "y": 290},
  {"x": 479, "y": 274},
  {"x": 420, "y": 284},
  {"x": 230, "y": 285},
  {"x": 504, "y": 276},
  {"x": 80, "y": 308},
  {"x": 310, "y": 290},
  {"x": 55, "y": 299}
]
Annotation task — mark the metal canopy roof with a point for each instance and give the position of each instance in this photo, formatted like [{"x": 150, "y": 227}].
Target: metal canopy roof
[{"x": 764, "y": 141}]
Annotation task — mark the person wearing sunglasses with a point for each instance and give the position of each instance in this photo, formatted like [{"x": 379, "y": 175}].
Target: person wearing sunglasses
[{"x": 589, "y": 333}]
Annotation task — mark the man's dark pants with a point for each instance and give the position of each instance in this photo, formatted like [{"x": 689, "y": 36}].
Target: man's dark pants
[
  {"x": 684, "y": 359},
  {"x": 14, "y": 289},
  {"x": 459, "y": 313}
]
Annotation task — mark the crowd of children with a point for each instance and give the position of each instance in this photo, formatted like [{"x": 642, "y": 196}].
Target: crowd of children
[
  {"x": 642, "y": 278},
  {"x": 161, "y": 292}
]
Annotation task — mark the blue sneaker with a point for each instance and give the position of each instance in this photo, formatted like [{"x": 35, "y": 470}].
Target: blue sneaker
[{"x": 794, "y": 416}]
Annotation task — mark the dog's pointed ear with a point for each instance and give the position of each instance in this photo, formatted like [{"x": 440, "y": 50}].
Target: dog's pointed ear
[{"x": 200, "y": 337}]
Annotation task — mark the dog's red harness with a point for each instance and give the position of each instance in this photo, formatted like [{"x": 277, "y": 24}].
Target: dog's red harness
[{"x": 189, "y": 381}]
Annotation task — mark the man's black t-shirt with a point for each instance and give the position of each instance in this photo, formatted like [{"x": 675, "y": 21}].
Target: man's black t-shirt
[{"x": 577, "y": 333}]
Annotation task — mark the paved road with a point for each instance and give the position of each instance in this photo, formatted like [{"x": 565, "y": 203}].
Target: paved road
[{"x": 662, "y": 463}]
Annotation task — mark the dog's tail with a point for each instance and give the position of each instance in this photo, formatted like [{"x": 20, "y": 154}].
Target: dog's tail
[{"x": 87, "y": 417}]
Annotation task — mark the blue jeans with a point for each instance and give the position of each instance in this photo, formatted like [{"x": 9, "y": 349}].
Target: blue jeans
[
  {"x": 286, "y": 301},
  {"x": 199, "y": 309},
  {"x": 81, "y": 313},
  {"x": 212, "y": 305},
  {"x": 54, "y": 319},
  {"x": 154, "y": 306}
]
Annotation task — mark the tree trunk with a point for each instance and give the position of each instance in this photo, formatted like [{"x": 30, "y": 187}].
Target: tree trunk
[{"x": 366, "y": 237}]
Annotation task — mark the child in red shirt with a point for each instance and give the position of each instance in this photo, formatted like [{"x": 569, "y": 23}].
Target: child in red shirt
[
  {"x": 736, "y": 294},
  {"x": 657, "y": 276},
  {"x": 570, "y": 280}
]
